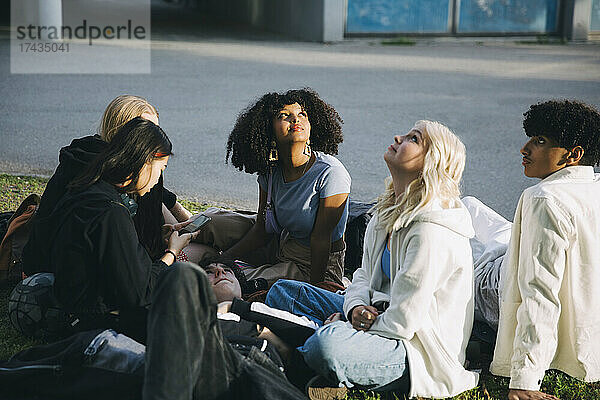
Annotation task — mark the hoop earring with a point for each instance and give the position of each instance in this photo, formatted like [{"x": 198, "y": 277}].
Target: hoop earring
[
  {"x": 273, "y": 154},
  {"x": 307, "y": 150}
]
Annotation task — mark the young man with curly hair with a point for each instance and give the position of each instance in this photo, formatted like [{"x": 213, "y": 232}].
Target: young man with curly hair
[{"x": 549, "y": 297}]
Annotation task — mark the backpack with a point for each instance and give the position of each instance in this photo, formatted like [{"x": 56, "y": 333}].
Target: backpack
[
  {"x": 359, "y": 216},
  {"x": 15, "y": 238}
]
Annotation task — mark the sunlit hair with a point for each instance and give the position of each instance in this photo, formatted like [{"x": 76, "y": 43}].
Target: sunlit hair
[
  {"x": 570, "y": 123},
  {"x": 122, "y": 109},
  {"x": 443, "y": 166},
  {"x": 135, "y": 144},
  {"x": 250, "y": 141}
]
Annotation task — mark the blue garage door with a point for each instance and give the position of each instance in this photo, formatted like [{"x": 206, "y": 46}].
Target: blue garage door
[
  {"x": 439, "y": 16},
  {"x": 389, "y": 16},
  {"x": 595, "y": 26},
  {"x": 522, "y": 16}
]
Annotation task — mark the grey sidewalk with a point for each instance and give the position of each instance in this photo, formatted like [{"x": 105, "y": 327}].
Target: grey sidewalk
[{"x": 203, "y": 76}]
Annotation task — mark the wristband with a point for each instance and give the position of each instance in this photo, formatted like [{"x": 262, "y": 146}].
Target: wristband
[{"x": 169, "y": 251}]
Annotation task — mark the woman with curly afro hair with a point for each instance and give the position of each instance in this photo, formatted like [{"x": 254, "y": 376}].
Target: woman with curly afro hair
[{"x": 289, "y": 139}]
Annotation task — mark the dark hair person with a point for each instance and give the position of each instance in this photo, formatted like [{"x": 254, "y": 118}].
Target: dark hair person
[
  {"x": 76, "y": 157},
  {"x": 549, "y": 288},
  {"x": 289, "y": 140},
  {"x": 103, "y": 274},
  {"x": 127, "y": 161},
  {"x": 570, "y": 124}
]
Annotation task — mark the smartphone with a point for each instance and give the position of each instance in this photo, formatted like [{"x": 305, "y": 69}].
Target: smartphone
[{"x": 195, "y": 225}]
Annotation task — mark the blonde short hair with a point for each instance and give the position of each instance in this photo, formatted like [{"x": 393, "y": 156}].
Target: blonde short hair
[
  {"x": 443, "y": 166},
  {"x": 121, "y": 110}
]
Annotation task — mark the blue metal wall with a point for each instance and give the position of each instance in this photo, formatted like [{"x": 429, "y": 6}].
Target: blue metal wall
[
  {"x": 595, "y": 26},
  {"x": 508, "y": 16},
  {"x": 432, "y": 16},
  {"x": 385, "y": 16}
]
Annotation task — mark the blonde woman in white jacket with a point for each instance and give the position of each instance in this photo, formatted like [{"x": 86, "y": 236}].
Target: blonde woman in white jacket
[{"x": 409, "y": 309}]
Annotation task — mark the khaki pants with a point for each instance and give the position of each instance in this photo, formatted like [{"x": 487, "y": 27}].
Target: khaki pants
[{"x": 283, "y": 257}]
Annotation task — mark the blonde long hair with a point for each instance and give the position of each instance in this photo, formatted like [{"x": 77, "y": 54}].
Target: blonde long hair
[
  {"x": 443, "y": 166},
  {"x": 122, "y": 109}
]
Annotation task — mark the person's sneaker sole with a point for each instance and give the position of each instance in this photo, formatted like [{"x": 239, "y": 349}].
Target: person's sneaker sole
[{"x": 327, "y": 393}]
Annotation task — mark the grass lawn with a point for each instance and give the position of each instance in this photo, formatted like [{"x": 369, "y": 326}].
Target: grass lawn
[{"x": 13, "y": 189}]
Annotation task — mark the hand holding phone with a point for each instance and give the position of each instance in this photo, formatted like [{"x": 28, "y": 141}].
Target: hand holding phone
[{"x": 195, "y": 225}]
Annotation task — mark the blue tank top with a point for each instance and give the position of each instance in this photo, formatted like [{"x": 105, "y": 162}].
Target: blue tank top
[{"x": 385, "y": 260}]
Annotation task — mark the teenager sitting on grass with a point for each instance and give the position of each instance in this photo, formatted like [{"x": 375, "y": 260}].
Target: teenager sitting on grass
[
  {"x": 549, "y": 297},
  {"x": 103, "y": 274},
  {"x": 156, "y": 207},
  {"x": 289, "y": 140},
  {"x": 410, "y": 304}
]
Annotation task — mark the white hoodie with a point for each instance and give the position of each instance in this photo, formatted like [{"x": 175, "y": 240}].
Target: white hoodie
[{"x": 430, "y": 296}]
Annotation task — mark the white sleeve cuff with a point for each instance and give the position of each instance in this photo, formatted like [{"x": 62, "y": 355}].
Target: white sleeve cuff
[{"x": 526, "y": 380}]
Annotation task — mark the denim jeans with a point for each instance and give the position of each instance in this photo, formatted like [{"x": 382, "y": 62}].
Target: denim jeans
[
  {"x": 338, "y": 351},
  {"x": 186, "y": 354},
  {"x": 301, "y": 298},
  {"x": 343, "y": 354},
  {"x": 112, "y": 351}
]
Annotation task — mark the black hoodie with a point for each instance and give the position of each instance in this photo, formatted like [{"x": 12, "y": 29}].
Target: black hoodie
[
  {"x": 99, "y": 264},
  {"x": 73, "y": 160}
]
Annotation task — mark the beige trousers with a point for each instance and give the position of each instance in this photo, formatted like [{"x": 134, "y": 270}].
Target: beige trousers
[{"x": 283, "y": 257}]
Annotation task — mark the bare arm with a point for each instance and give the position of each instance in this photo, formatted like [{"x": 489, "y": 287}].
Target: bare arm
[
  {"x": 328, "y": 215},
  {"x": 256, "y": 237},
  {"x": 284, "y": 350},
  {"x": 176, "y": 214},
  {"x": 176, "y": 243},
  {"x": 180, "y": 212}
]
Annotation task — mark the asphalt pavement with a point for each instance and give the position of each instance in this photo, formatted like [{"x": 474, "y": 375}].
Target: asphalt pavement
[{"x": 204, "y": 74}]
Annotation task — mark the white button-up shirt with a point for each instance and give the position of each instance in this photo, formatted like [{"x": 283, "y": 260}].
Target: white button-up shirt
[{"x": 550, "y": 285}]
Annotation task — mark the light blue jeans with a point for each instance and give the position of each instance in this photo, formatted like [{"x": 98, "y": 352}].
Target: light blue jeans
[
  {"x": 343, "y": 354},
  {"x": 301, "y": 298},
  {"x": 337, "y": 351}
]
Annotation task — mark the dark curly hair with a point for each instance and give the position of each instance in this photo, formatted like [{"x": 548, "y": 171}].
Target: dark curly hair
[
  {"x": 570, "y": 123},
  {"x": 249, "y": 142}
]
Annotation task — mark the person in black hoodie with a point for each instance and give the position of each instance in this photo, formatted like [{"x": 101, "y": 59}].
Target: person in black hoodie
[
  {"x": 76, "y": 157},
  {"x": 103, "y": 274}
]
